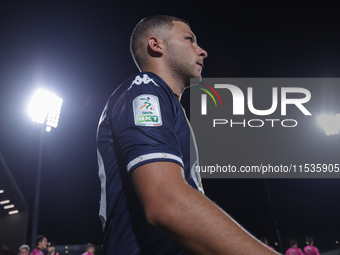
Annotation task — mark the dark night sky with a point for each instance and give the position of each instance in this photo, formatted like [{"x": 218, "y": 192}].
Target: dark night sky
[{"x": 80, "y": 50}]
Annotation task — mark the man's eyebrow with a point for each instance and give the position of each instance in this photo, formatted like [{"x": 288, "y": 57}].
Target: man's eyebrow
[{"x": 192, "y": 34}]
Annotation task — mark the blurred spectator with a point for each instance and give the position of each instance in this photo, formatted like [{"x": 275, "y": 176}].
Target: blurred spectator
[
  {"x": 294, "y": 250},
  {"x": 41, "y": 242},
  {"x": 265, "y": 241},
  {"x": 24, "y": 249},
  {"x": 51, "y": 249},
  {"x": 90, "y": 249},
  {"x": 310, "y": 249}
]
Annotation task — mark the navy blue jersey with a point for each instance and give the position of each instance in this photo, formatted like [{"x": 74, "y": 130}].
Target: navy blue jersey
[{"x": 142, "y": 122}]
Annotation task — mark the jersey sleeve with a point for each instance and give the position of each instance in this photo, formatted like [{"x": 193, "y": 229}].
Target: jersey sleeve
[
  {"x": 143, "y": 125},
  {"x": 35, "y": 252}
]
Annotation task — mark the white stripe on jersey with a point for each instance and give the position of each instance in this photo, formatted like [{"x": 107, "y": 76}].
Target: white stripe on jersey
[
  {"x": 102, "y": 176},
  {"x": 149, "y": 156}
]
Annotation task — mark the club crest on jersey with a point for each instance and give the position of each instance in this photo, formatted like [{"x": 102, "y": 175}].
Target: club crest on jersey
[
  {"x": 146, "y": 111},
  {"x": 139, "y": 80}
]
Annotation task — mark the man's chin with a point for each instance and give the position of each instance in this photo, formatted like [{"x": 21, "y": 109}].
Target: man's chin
[{"x": 193, "y": 81}]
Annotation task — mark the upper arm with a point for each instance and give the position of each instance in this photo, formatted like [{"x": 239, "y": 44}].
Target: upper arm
[
  {"x": 150, "y": 152},
  {"x": 159, "y": 185},
  {"x": 143, "y": 126}
]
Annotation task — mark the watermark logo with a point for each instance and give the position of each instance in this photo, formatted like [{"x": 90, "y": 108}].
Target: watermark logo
[
  {"x": 239, "y": 101},
  {"x": 266, "y": 127},
  {"x": 204, "y": 97},
  {"x": 273, "y": 99}
]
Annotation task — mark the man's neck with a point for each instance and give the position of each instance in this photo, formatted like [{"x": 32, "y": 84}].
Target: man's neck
[{"x": 176, "y": 84}]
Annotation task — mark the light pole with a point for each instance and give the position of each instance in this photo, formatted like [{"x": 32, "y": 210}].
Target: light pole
[
  {"x": 45, "y": 109},
  {"x": 272, "y": 213}
]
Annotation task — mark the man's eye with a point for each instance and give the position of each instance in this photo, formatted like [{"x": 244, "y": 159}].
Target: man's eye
[{"x": 189, "y": 38}]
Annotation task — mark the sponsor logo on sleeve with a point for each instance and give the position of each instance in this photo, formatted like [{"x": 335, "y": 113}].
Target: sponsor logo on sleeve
[
  {"x": 139, "y": 80},
  {"x": 147, "y": 111}
]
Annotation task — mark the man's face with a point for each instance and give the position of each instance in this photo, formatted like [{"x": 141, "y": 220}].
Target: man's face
[
  {"x": 50, "y": 249},
  {"x": 24, "y": 252},
  {"x": 43, "y": 244},
  {"x": 183, "y": 56},
  {"x": 91, "y": 250}
]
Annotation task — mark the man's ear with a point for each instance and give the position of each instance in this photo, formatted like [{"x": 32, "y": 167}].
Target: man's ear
[{"x": 155, "y": 46}]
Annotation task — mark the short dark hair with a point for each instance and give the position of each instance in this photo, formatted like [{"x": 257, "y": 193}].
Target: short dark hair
[
  {"x": 90, "y": 245},
  {"x": 39, "y": 239},
  {"x": 309, "y": 240},
  {"x": 143, "y": 26},
  {"x": 51, "y": 244},
  {"x": 263, "y": 240},
  {"x": 292, "y": 242}
]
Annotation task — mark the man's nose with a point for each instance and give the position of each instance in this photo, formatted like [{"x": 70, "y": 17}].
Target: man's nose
[{"x": 202, "y": 53}]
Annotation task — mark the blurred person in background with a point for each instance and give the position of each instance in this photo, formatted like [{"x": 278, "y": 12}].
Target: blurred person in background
[
  {"x": 265, "y": 241},
  {"x": 51, "y": 249},
  {"x": 90, "y": 249},
  {"x": 24, "y": 249},
  {"x": 294, "y": 250},
  {"x": 310, "y": 249},
  {"x": 41, "y": 242}
]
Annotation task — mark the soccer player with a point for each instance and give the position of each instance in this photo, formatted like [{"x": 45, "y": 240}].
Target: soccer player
[
  {"x": 51, "y": 249},
  {"x": 90, "y": 249},
  {"x": 265, "y": 241},
  {"x": 24, "y": 249},
  {"x": 310, "y": 249},
  {"x": 41, "y": 242},
  {"x": 152, "y": 200},
  {"x": 294, "y": 250}
]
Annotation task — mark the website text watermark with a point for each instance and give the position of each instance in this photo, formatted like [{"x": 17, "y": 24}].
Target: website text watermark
[{"x": 269, "y": 168}]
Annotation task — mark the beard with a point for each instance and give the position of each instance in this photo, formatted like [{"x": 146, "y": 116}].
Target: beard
[{"x": 182, "y": 66}]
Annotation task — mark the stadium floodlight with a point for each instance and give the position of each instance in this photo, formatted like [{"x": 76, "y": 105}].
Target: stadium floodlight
[
  {"x": 330, "y": 123},
  {"x": 8, "y": 207},
  {"x": 4, "y": 202},
  {"x": 1, "y": 191},
  {"x": 13, "y": 212},
  {"x": 45, "y": 107}
]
